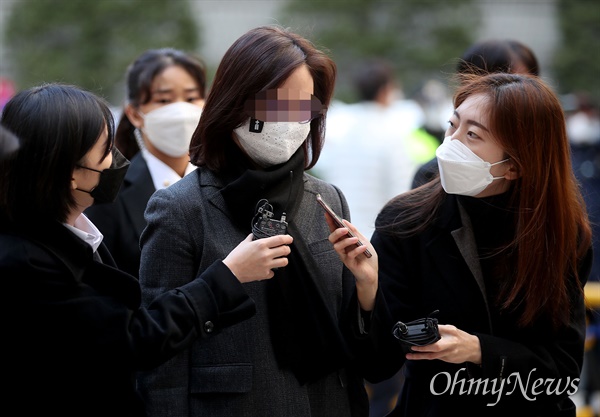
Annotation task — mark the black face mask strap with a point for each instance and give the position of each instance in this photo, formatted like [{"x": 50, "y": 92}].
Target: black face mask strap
[
  {"x": 90, "y": 169},
  {"x": 110, "y": 179}
]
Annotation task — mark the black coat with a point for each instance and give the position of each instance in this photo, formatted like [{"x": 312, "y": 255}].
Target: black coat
[
  {"x": 74, "y": 332},
  {"x": 439, "y": 269}
]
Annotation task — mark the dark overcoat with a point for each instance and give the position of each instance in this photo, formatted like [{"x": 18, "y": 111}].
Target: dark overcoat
[{"x": 439, "y": 269}]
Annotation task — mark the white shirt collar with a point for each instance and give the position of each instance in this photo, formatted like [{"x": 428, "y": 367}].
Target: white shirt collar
[
  {"x": 86, "y": 231},
  {"x": 162, "y": 174}
]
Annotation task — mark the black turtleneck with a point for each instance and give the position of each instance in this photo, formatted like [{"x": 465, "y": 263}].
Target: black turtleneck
[{"x": 493, "y": 222}]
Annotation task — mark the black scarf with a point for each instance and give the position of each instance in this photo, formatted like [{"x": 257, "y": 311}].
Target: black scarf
[{"x": 306, "y": 336}]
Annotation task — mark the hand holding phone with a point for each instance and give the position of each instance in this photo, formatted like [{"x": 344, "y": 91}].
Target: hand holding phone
[{"x": 338, "y": 221}]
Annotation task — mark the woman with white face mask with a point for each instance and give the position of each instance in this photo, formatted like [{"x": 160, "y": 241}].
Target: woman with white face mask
[
  {"x": 500, "y": 245},
  {"x": 262, "y": 127},
  {"x": 165, "y": 94}
]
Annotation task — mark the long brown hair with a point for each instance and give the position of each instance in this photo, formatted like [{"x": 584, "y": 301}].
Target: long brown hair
[{"x": 552, "y": 232}]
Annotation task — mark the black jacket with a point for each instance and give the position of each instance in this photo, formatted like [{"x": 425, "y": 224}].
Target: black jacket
[
  {"x": 74, "y": 332},
  {"x": 122, "y": 222},
  {"x": 439, "y": 269}
]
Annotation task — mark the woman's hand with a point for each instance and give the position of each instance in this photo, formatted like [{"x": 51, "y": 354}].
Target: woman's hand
[
  {"x": 254, "y": 260},
  {"x": 364, "y": 269},
  {"x": 455, "y": 346}
]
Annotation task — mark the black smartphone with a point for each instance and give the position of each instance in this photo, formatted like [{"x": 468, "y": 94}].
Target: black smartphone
[{"x": 338, "y": 221}]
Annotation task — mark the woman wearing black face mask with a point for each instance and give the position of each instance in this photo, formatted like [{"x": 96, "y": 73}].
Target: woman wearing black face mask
[{"x": 76, "y": 329}]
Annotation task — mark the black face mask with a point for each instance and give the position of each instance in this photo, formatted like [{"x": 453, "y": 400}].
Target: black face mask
[{"x": 110, "y": 179}]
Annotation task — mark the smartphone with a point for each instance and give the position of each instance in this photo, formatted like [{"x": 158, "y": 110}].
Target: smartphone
[{"x": 338, "y": 221}]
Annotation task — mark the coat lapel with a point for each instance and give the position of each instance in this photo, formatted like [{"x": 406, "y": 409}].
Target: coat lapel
[
  {"x": 461, "y": 230},
  {"x": 139, "y": 187},
  {"x": 465, "y": 240}
]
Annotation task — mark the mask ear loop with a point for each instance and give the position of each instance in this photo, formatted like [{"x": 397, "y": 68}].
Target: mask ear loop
[{"x": 496, "y": 163}]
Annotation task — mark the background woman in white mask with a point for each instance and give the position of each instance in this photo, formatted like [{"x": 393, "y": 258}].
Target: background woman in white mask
[
  {"x": 262, "y": 127},
  {"x": 165, "y": 94},
  {"x": 500, "y": 246}
]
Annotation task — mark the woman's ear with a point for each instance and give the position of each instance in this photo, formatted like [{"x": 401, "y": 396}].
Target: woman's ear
[
  {"x": 512, "y": 173},
  {"x": 134, "y": 116}
]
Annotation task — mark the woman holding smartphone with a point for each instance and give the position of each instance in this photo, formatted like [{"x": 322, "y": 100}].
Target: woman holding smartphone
[{"x": 499, "y": 243}]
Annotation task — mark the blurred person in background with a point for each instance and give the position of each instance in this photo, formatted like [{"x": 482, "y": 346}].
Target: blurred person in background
[
  {"x": 382, "y": 133},
  {"x": 583, "y": 128},
  {"x": 165, "y": 93},
  {"x": 261, "y": 129},
  {"x": 488, "y": 56}
]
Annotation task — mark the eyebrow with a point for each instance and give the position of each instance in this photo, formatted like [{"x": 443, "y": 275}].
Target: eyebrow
[{"x": 472, "y": 122}]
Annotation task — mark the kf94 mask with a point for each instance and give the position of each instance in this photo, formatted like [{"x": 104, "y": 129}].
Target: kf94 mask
[
  {"x": 271, "y": 143},
  {"x": 462, "y": 171},
  {"x": 170, "y": 128}
]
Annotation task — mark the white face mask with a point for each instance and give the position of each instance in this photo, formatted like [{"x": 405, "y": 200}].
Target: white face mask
[
  {"x": 169, "y": 128},
  {"x": 271, "y": 143},
  {"x": 462, "y": 171}
]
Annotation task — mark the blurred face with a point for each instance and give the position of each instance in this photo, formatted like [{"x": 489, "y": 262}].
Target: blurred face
[
  {"x": 284, "y": 105},
  {"x": 278, "y": 120},
  {"x": 469, "y": 124}
]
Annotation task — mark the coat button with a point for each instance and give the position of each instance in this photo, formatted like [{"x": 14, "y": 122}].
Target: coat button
[{"x": 209, "y": 326}]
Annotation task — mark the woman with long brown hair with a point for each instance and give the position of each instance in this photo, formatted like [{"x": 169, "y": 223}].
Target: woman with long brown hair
[{"x": 499, "y": 244}]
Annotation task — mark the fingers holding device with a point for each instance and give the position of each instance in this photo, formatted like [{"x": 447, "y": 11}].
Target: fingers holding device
[{"x": 338, "y": 221}]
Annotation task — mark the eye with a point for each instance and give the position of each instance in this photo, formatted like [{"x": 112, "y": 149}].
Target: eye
[
  {"x": 193, "y": 99},
  {"x": 472, "y": 135}
]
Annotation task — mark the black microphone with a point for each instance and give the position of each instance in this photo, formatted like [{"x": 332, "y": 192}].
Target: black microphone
[{"x": 263, "y": 223}]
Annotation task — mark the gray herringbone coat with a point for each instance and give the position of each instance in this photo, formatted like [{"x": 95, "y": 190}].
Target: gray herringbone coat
[{"x": 234, "y": 373}]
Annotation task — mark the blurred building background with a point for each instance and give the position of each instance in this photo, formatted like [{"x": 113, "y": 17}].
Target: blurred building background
[{"x": 90, "y": 42}]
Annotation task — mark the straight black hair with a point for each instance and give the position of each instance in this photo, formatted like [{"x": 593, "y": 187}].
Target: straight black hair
[{"x": 57, "y": 124}]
